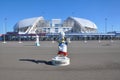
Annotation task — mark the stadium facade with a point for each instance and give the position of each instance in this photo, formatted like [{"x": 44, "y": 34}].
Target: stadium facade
[
  {"x": 74, "y": 27},
  {"x": 40, "y": 25}
]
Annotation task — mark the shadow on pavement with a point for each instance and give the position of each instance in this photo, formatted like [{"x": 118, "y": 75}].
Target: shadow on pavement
[{"x": 37, "y": 61}]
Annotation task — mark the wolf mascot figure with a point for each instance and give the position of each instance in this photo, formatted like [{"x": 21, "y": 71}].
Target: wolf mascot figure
[{"x": 62, "y": 47}]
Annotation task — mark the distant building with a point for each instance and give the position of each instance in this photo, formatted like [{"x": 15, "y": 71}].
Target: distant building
[
  {"x": 80, "y": 25},
  {"x": 40, "y": 25},
  {"x": 117, "y": 33},
  {"x": 0, "y": 37}
]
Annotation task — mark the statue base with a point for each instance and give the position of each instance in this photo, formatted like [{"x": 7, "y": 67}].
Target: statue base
[
  {"x": 37, "y": 44},
  {"x": 60, "y": 61}
]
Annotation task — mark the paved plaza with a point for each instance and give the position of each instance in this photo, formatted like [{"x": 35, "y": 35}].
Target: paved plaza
[{"x": 88, "y": 61}]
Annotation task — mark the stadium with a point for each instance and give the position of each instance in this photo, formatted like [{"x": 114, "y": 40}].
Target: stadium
[
  {"x": 75, "y": 28},
  {"x": 40, "y": 25}
]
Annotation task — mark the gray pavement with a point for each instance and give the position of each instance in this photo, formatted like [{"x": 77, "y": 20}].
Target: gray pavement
[{"x": 89, "y": 61}]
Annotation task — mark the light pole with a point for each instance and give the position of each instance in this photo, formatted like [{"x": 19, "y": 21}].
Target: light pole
[
  {"x": 105, "y": 25},
  {"x": 4, "y": 29},
  {"x": 111, "y": 35}
]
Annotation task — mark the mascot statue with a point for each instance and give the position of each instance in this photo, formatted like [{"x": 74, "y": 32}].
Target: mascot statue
[
  {"x": 62, "y": 47},
  {"x": 37, "y": 43},
  {"x": 61, "y": 59}
]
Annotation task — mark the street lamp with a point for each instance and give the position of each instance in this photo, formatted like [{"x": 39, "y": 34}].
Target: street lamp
[
  {"x": 111, "y": 35},
  {"x": 4, "y": 29},
  {"x": 105, "y": 25}
]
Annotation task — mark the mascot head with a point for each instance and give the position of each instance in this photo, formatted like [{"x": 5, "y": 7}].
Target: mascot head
[{"x": 62, "y": 34}]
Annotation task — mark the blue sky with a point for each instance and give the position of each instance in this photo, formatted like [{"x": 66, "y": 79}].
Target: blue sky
[{"x": 94, "y": 10}]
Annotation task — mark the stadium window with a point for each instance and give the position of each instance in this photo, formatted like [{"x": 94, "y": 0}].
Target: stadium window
[
  {"x": 64, "y": 29},
  {"x": 44, "y": 29},
  {"x": 48, "y": 29},
  {"x": 56, "y": 30},
  {"x": 57, "y": 25}
]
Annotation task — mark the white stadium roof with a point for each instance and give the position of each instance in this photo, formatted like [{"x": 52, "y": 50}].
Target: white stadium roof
[
  {"x": 27, "y": 22},
  {"x": 85, "y": 22}
]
